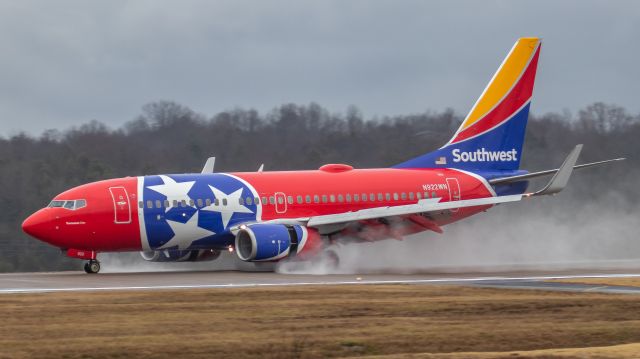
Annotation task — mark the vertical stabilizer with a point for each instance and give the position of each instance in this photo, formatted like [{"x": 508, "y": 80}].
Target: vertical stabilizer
[{"x": 492, "y": 134}]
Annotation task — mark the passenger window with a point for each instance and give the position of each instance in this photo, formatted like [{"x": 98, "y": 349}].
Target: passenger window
[
  {"x": 183, "y": 203},
  {"x": 175, "y": 203},
  {"x": 411, "y": 195},
  {"x": 256, "y": 201},
  {"x": 216, "y": 202},
  {"x": 356, "y": 198},
  {"x": 280, "y": 200},
  {"x": 191, "y": 203},
  {"x": 158, "y": 203},
  {"x": 380, "y": 197},
  {"x": 199, "y": 200},
  {"x": 241, "y": 201},
  {"x": 224, "y": 201},
  {"x": 348, "y": 197},
  {"x": 290, "y": 200},
  {"x": 403, "y": 196},
  {"x": 140, "y": 204},
  {"x": 149, "y": 204},
  {"x": 249, "y": 201},
  {"x": 316, "y": 199},
  {"x": 387, "y": 197},
  {"x": 207, "y": 201},
  {"x": 264, "y": 200},
  {"x": 324, "y": 198},
  {"x": 166, "y": 204},
  {"x": 272, "y": 200},
  {"x": 332, "y": 198},
  {"x": 307, "y": 198},
  {"x": 434, "y": 195},
  {"x": 395, "y": 196},
  {"x": 418, "y": 195},
  {"x": 426, "y": 195},
  {"x": 299, "y": 199},
  {"x": 372, "y": 197}
]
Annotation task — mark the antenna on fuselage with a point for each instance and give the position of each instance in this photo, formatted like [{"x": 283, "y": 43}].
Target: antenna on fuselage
[
  {"x": 261, "y": 167},
  {"x": 208, "y": 166}
]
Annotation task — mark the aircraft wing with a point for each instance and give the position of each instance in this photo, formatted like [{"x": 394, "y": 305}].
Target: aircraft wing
[
  {"x": 423, "y": 206},
  {"x": 431, "y": 205}
]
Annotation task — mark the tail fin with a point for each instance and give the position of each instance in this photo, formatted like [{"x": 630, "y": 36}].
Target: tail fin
[{"x": 491, "y": 136}]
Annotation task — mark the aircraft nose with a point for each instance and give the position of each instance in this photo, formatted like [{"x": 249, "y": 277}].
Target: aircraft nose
[{"x": 36, "y": 225}]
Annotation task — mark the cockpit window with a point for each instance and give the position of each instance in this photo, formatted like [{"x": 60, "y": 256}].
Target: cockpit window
[
  {"x": 71, "y": 204},
  {"x": 56, "y": 204}
]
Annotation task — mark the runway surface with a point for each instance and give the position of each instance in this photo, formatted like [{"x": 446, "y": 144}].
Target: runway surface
[{"x": 78, "y": 281}]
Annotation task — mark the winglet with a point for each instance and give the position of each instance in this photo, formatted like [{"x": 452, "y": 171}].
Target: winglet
[
  {"x": 208, "y": 166},
  {"x": 559, "y": 180}
]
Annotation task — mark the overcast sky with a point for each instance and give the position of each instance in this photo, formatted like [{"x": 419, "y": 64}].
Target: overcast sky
[{"x": 64, "y": 63}]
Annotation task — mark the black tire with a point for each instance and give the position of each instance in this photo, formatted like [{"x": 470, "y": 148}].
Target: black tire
[{"x": 92, "y": 267}]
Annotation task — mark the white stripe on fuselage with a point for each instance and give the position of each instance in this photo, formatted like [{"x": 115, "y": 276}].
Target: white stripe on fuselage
[{"x": 144, "y": 241}]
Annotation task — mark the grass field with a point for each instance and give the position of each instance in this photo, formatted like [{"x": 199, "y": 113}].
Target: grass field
[
  {"x": 321, "y": 321},
  {"x": 629, "y": 281}
]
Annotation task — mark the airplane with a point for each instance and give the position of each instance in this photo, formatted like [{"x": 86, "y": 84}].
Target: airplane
[{"x": 269, "y": 216}]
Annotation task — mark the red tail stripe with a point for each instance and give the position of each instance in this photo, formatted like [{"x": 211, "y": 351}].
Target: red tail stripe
[{"x": 521, "y": 92}]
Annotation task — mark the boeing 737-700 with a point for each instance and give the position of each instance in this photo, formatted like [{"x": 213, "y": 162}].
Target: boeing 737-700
[{"x": 300, "y": 215}]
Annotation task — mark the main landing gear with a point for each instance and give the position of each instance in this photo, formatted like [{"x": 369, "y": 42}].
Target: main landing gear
[{"x": 92, "y": 266}]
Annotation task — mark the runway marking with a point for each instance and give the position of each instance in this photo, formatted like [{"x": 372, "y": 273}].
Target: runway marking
[
  {"x": 596, "y": 288},
  {"x": 307, "y": 283}
]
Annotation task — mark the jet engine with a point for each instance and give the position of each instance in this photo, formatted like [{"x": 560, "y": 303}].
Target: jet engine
[
  {"x": 203, "y": 255},
  {"x": 273, "y": 242}
]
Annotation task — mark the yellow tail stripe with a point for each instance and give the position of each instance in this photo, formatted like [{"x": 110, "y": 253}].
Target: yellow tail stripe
[{"x": 503, "y": 80}]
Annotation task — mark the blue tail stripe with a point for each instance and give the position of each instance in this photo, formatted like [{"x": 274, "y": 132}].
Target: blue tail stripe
[{"x": 498, "y": 149}]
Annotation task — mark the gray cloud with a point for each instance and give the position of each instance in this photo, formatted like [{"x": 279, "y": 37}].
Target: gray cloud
[{"x": 66, "y": 62}]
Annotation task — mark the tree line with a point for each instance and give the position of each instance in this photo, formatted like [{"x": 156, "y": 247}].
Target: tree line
[{"x": 167, "y": 137}]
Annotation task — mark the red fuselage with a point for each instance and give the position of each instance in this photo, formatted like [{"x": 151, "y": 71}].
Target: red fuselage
[{"x": 149, "y": 213}]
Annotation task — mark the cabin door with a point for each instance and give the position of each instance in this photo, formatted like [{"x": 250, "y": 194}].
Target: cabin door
[
  {"x": 454, "y": 191},
  {"x": 121, "y": 205}
]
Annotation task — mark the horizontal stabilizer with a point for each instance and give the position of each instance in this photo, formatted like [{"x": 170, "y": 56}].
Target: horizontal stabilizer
[{"x": 528, "y": 176}]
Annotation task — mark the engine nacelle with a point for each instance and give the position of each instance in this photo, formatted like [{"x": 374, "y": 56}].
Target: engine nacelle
[
  {"x": 273, "y": 242},
  {"x": 203, "y": 255}
]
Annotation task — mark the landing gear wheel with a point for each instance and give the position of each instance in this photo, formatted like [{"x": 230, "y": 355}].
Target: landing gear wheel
[{"x": 92, "y": 267}]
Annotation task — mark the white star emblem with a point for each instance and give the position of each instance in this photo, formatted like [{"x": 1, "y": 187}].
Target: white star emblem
[
  {"x": 172, "y": 189},
  {"x": 233, "y": 205},
  {"x": 184, "y": 234}
]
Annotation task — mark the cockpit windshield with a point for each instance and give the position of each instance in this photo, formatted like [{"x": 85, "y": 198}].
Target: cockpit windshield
[{"x": 71, "y": 204}]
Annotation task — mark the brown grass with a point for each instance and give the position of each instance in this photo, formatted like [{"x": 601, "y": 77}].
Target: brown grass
[
  {"x": 615, "y": 351},
  {"x": 312, "y": 322},
  {"x": 630, "y": 281}
]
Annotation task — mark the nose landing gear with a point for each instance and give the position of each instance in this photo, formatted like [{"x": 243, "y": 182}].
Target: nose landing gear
[{"x": 92, "y": 266}]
